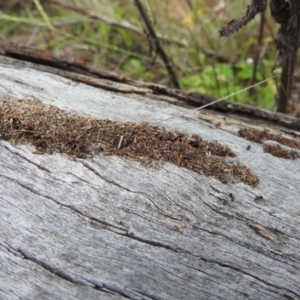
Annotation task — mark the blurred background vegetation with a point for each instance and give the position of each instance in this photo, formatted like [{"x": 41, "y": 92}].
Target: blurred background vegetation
[{"x": 110, "y": 35}]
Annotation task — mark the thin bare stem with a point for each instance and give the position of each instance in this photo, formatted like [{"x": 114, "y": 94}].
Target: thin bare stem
[
  {"x": 160, "y": 50},
  {"x": 257, "y": 58},
  {"x": 235, "y": 93},
  {"x": 226, "y": 97}
]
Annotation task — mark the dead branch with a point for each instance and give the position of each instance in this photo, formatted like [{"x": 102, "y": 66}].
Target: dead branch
[
  {"x": 160, "y": 50},
  {"x": 255, "y": 7},
  {"x": 259, "y": 52}
]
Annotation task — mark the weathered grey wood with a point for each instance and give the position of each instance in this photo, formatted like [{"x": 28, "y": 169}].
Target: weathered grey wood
[{"x": 111, "y": 228}]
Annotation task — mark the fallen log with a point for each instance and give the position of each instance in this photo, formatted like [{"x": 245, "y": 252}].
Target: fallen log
[{"x": 118, "y": 195}]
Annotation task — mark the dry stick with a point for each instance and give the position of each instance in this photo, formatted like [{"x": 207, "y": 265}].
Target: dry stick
[
  {"x": 258, "y": 57},
  {"x": 157, "y": 43},
  {"x": 284, "y": 90},
  {"x": 226, "y": 97},
  {"x": 235, "y": 93}
]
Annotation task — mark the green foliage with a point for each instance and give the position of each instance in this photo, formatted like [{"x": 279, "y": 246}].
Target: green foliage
[
  {"x": 221, "y": 80},
  {"x": 135, "y": 68}
]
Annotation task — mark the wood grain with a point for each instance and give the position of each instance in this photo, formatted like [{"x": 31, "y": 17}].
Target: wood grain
[{"x": 111, "y": 228}]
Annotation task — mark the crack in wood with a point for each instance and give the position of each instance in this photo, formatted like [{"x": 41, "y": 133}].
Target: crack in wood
[
  {"x": 107, "y": 226},
  {"x": 93, "y": 170},
  {"x": 25, "y": 158},
  {"x": 89, "y": 167},
  {"x": 153, "y": 243},
  {"x": 62, "y": 274},
  {"x": 106, "y": 288},
  {"x": 103, "y": 287},
  {"x": 224, "y": 265},
  {"x": 143, "y": 295}
]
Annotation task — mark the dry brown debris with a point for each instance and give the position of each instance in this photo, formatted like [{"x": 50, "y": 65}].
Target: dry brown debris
[
  {"x": 277, "y": 151},
  {"x": 51, "y": 129},
  {"x": 260, "y": 136}
]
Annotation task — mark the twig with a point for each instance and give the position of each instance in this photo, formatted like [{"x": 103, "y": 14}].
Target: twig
[
  {"x": 120, "y": 141},
  {"x": 255, "y": 7},
  {"x": 235, "y": 93},
  {"x": 160, "y": 50},
  {"x": 258, "y": 56}
]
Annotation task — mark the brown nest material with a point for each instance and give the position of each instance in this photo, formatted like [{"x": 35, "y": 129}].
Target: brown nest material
[
  {"x": 278, "y": 151},
  {"x": 260, "y": 136},
  {"x": 51, "y": 129}
]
